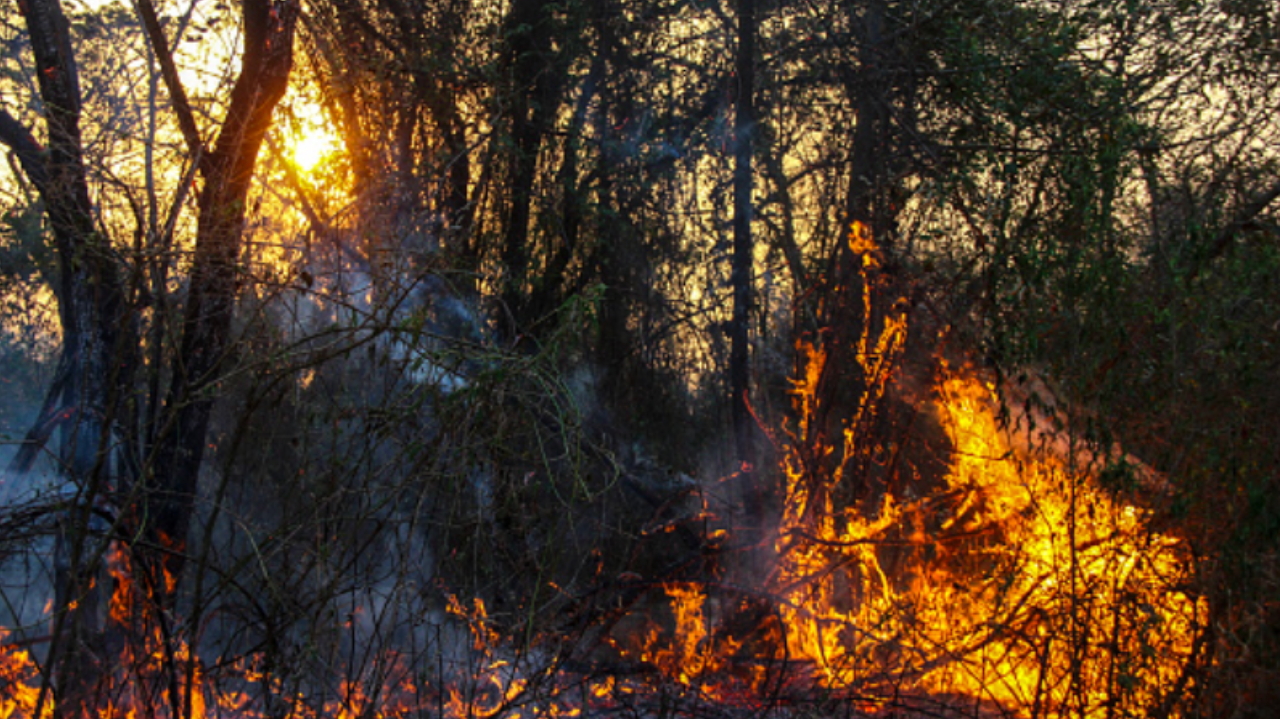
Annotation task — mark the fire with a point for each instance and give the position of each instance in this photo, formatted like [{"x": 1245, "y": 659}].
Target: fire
[
  {"x": 689, "y": 656},
  {"x": 1033, "y": 589},
  {"x": 1086, "y": 565},
  {"x": 1014, "y": 580},
  {"x": 1017, "y": 581},
  {"x": 19, "y": 682},
  {"x": 1012, "y": 583}
]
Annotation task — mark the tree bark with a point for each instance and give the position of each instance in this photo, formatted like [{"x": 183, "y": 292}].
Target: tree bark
[
  {"x": 265, "y": 66},
  {"x": 94, "y": 362}
]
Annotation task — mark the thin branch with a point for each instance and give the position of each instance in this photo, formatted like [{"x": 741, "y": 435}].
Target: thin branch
[
  {"x": 46, "y": 421},
  {"x": 1246, "y": 215},
  {"x": 169, "y": 71},
  {"x": 30, "y": 154}
]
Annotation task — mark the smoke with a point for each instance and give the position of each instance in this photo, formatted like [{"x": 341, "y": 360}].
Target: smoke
[
  {"x": 26, "y": 543},
  {"x": 436, "y": 335},
  {"x": 28, "y": 519}
]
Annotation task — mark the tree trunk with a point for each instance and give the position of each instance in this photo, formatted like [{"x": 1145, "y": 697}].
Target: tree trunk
[
  {"x": 266, "y": 63},
  {"x": 844, "y": 317},
  {"x": 744, "y": 128},
  {"x": 535, "y": 98},
  {"x": 83, "y": 400}
]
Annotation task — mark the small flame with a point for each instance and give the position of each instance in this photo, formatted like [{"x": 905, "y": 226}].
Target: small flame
[{"x": 19, "y": 682}]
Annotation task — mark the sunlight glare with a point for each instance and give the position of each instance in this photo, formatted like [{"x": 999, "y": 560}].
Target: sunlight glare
[{"x": 313, "y": 147}]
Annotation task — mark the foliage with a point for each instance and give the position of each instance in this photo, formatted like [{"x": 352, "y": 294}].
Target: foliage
[{"x": 480, "y": 350}]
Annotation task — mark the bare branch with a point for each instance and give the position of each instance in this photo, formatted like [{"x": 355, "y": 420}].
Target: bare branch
[
  {"x": 169, "y": 71},
  {"x": 30, "y": 154},
  {"x": 1246, "y": 215}
]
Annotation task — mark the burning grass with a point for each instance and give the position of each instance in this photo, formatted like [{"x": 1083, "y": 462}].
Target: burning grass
[
  {"x": 1016, "y": 586},
  {"x": 1011, "y": 585}
]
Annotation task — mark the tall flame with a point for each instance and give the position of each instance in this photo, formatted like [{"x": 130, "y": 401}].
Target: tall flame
[
  {"x": 1033, "y": 589},
  {"x": 1017, "y": 582}
]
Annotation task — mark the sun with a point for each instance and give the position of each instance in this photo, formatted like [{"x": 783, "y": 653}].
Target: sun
[
  {"x": 313, "y": 147},
  {"x": 308, "y": 133}
]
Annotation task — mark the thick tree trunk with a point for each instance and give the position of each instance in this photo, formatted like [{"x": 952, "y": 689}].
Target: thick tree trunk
[
  {"x": 868, "y": 86},
  {"x": 613, "y": 340},
  {"x": 264, "y": 76},
  {"x": 83, "y": 400}
]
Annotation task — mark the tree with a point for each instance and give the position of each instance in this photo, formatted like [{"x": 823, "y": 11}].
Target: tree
[
  {"x": 86, "y": 394},
  {"x": 227, "y": 169},
  {"x": 744, "y": 130},
  {"x": 92, "y": 399}
]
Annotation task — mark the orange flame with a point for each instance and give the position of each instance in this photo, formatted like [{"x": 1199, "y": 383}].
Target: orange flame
[
  {"x": 1017, "y": 582},
  {"x": 19, "y": 682}
]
